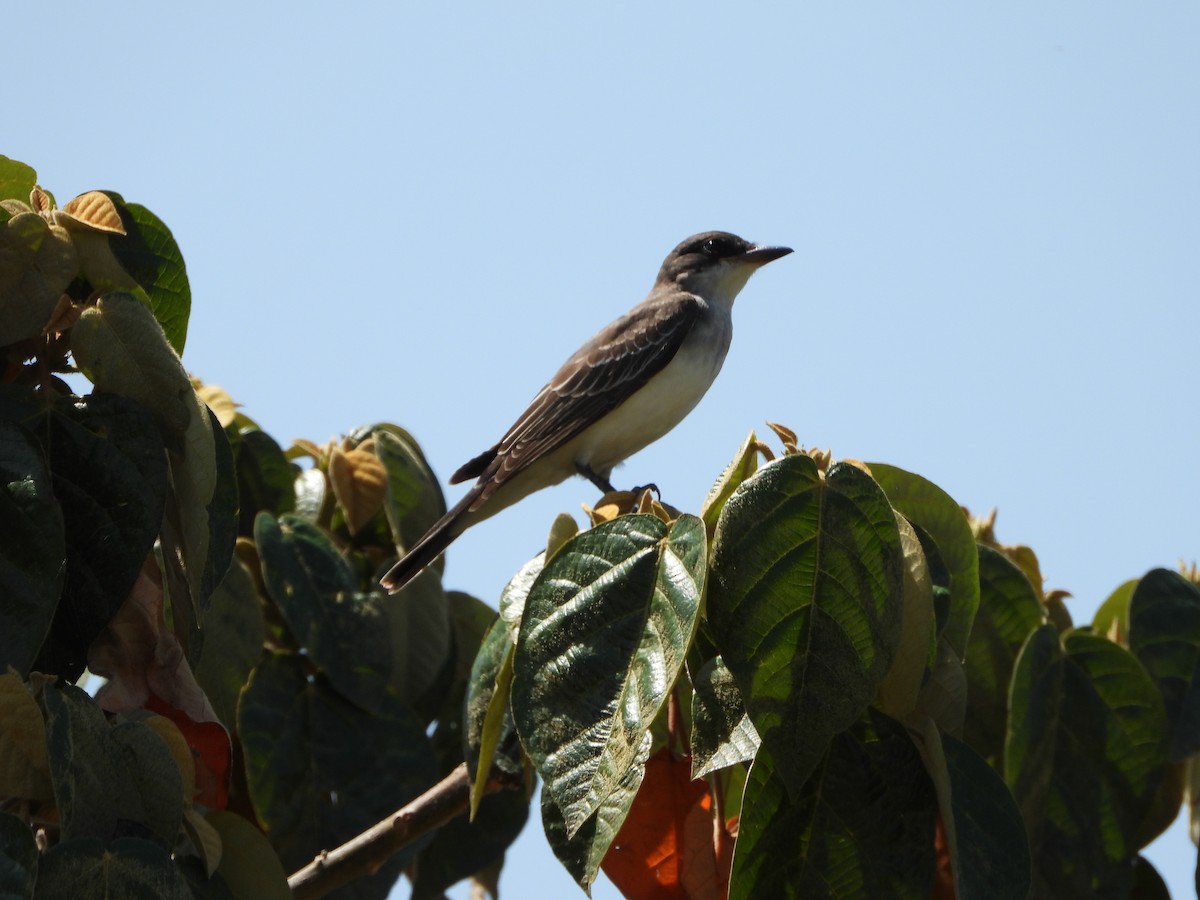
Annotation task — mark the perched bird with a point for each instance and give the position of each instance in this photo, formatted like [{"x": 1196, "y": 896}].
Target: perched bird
[{"x": 622, "y": 390}]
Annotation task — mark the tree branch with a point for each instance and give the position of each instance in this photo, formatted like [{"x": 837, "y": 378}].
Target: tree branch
[{"x": 364, "y": 854}]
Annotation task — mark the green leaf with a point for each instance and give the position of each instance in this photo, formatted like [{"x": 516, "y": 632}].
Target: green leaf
[
  {"x": 418, "y": 624},
  {"x": 248, "y": 861},
  {"x": 234, "y": 636},
  {"x": 221, "y": 516},
  {"x": 805, "y": 602},
  {"x": 941, "y": 519},
  {"x": 17, "y": 180},
  {"x": 18, "y": 858},
  {"x": 414, "y": 500},
  {"x": 985, "y": 835},
  {"x": 516, "y": 592},
  {"x": 266, "y": 478},
  {"x": 104, "y": 776},
  {"x": 900, "y": 690},
  {"x": 321, "y": 770},
  {"x": 604, "y": 634},
  {"x": 1112, "y": 618},
  {"x": 154, "y": 776},
  {"x": 148, "y": 252},
  {"x": 860, "y": 827},
  {"x": 1084, "y": 757},
  {"x": 487, "y": 719},
  {"x": 582, "y": 850},
  {"x": 122, "y": 349},
  {"x": 1147, "y": 883},
  {"x": 722, "y": 733},
  {"x": 344, "y": 633},
  {"x": 33, "y": 550},
  {"x": 1009, "y": 610},
  {"x": 742, "y": 466},
  {"x": 1164, "y": 634},
  {"x": 90, "y": 869},
  {"x": 37, "y": 262},
  {"x": 110, "y": 478}
]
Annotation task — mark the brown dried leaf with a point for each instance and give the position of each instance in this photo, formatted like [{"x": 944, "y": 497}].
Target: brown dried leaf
[
  {"x": 790, "y": 442},
  {"x": 359, "y": 481},
  {"x": 93, "y": 210},
  {"x": 219, "y": 401},
  {"x": 40, "y": 201}
]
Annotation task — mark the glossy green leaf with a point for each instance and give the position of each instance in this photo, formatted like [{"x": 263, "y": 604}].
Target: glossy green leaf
[
  {"x": 1084, "y": 758},
  {"x": 32, "y": 552},
  {"x": 1009, "y": 610},
  {"x": 742, "y": 466},
  {"x": 941, "y": 519},
  {"x": 18, "y": 858},
  {"x": 722, "y": 733},
  {"x": 860, "y": 827},
  {"x": 343, "y": 632},
  {"x": 582, "y": 850},
  {"x": 148, "y": 252},
  {"x": 105, "y": 776},
  {"x": 320, "y": 770},
  {"x": 516, "y": 592},
  {"x": 1164, "y": 634},
  {"x": 805, "y": 602},
  {"x": 37, "y": 262},
  {"x": 605, "y": 631},
  {"x": 266, "y": 478},
  {"x": 110, "y": 477},
  {"x": 90, "y": 869}
]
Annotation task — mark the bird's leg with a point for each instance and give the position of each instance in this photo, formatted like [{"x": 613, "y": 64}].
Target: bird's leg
[{"x": 595, "y": 478}]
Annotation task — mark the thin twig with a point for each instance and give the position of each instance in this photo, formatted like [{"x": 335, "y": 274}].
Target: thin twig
[{"x": 363, "y": 855}]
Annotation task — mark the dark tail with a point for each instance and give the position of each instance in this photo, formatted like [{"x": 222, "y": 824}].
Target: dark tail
[{"x": 430, "y": 546}]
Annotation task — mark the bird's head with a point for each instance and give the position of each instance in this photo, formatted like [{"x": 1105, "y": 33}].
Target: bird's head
[{"x": 715, "y": 265}]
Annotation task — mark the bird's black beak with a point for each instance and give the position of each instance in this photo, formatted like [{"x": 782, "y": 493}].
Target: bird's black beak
[{"x": 760, "y": 256}]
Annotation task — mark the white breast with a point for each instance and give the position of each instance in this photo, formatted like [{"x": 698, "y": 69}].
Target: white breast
[{"x": 662, "y": 402}]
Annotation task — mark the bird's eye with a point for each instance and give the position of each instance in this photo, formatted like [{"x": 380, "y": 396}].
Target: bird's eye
[{"x": 711, "y": 247}]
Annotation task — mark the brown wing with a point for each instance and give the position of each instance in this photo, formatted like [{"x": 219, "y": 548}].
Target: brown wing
[{"x": 602, "y": 374}]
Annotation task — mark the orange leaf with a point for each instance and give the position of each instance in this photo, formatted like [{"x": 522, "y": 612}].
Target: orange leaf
[{"x": 666, "y": 850}]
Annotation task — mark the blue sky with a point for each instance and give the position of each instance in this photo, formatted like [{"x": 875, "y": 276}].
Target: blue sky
[{"x": 415, "y": 215}]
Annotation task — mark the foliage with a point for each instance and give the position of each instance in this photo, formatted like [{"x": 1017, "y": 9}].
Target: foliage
[
  {"x": 830, "y": 682},
  {"x": 263, "y": 700}
]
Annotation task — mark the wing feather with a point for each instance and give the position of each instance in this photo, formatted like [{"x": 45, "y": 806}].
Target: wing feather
[{"x": 601, "y": 375}]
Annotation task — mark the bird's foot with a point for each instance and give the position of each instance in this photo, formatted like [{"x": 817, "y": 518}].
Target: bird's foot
[{"x": 601, "y": 483}]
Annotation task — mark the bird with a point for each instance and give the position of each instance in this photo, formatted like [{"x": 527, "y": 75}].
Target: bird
[{"x": 625, "y": 388}]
